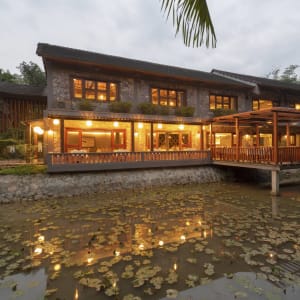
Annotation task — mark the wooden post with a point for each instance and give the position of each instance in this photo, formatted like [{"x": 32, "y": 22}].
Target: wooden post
[
  {"x": 211, "y": 136},
  {"x": 132, "y": 136},
  {"x": 62, "y": 135},
  {"x": 288, "y": 135},
  {"x": 257, "y": 135},
  {"x": 201, "y": 137},
  {"x": 237, "y": 133},
  {"x": 151, "y": 138},
  {"x": 275, "y": 137}
]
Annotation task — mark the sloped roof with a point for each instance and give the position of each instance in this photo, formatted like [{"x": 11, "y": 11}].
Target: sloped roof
[
  {"x": 77, "y": 56},
  {"x": 264, "y": 82},
  {"x": 8, "y": 88}
]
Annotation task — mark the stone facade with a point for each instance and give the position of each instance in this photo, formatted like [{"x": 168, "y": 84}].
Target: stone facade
[
  {"x": 132, "y": 88},
  {"x": 44, "y": 186}
]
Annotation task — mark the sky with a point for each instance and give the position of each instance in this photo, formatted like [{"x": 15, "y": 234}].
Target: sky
[{"x": 253, "y": 36}]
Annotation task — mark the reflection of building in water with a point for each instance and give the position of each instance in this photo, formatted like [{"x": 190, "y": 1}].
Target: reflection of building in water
[{"x": 275, "y": 202}]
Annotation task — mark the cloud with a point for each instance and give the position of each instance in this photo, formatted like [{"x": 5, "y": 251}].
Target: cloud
[{"x": 253, "y": 36}]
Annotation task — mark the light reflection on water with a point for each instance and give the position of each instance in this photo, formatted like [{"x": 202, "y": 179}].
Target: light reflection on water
[{"x": 92, "y": 241}]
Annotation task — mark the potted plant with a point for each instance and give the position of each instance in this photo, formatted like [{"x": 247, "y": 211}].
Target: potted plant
[
  {"x": 85, "y": 105},
  {"x": 148, "y": 108},
  {"x": 185, "y": 111},
  {"x": 120, "y": 107}
]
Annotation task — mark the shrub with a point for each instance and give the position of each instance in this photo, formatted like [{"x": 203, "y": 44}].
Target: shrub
[
  {"x": 85, "y": 105},
  {"x": 148, "y": 108},
  {"x": 23, "y": 170},
  {"x": 120, "y": 107},
  {"x": 185, "y": 111},
  {"x": 163, "y": 110},
  {"x": 223, "y": 112}
]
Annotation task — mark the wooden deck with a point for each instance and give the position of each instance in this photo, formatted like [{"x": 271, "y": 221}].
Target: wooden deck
[
  {"x": 81, "y": 162},
  {"x": 287, "y": 157}
]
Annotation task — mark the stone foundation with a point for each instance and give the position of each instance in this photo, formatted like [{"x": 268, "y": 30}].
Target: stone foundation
[{"x": 44, "y": 186}]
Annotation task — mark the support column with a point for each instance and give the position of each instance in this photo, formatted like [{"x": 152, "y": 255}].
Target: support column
[
  {"x": 211, "y": 136},
  {"x": 237, "y": 134},
  {"x": 201, "y": 137},
  {"x": 275, "y": 182},
  {"x": 132, "y": 136},
  {"x": 288, "y": 135},
  {"x": 151, "y": 137},
  {"x": 257, "y": 135},
  {"x": 62, "y": 135},
  {"x": 275, "y": 137}
]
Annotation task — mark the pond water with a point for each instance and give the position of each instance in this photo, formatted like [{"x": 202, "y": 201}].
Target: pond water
[{"x": 149, "y": 244}]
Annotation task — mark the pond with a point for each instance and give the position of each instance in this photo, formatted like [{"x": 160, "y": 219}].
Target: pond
[{"x": 224, "y": 240}]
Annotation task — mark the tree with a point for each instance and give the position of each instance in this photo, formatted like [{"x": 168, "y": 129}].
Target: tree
[
  {"x": 7, "y": 76},
  {"x": 192, "y": 19},
  {"x": 288, "y": 75},
  {"x": 31, "y": 74}
]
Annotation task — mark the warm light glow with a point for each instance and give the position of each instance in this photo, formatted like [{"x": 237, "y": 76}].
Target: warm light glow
[
  {"x": 200, "y": 222},
  {"x": 136, "y": 134},
  {"x": 90, "y": 259},
  {"x": 271, "y": 255},
  {"x": 116, "y": 124},
  {"x": 50, "y": 132},
  {"x": 183, "y": 238},
  {"x": 140, "y": 125},
  {"x": 41, "y": 238},
  {"x": 247, "y": 136},
  {"x": 57, "y": 267},
  {"x": 56, "y": 121},
  {"x": 181, "y": 126},
  {"x": 141, "y": 247},
  {"x": 89, "y": 123},
  {"x": 38, "y": 130},
  {"x": 161, "y": 243},
  {"x": 38, "y": 250},
  {"x": 76, "y": 296},
  {"x": 159, "y": 126},
  {"x": 117, "y": 253},
  {"x": 175, "y": 266},
  {"x": 205, "y": 233},
  {"x": 187, "y": 223}
]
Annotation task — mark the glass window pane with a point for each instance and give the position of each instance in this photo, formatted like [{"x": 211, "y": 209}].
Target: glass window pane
[
  {"x": 112, "y": 92},
  {"x": 101, "y": 96},
  {"x": 77, "y": 84},
  {"x": 163, "y": 101},
  {"x": 212, "y": 99},
  {"x": 73, "y": 138},
  {"x": 180, "y": 99},
  {"x": 101, "y": 86},
  {"x": 154, "y": 96},
  {"x": 90, "y": 94},
  {"x": 89, "y": 84},
  {"x": 163, "y": 93},
  {"x": 255, "y": 104}
]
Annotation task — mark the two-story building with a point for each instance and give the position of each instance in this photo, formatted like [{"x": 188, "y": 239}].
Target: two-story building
[{"x": 104, "y": 108}]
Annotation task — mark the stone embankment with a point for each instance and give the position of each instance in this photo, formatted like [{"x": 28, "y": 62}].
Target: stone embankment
[{"x": 43, "y": 186}]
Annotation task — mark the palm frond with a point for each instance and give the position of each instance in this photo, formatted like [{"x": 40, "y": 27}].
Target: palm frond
[{"x": 192, "y": 19}]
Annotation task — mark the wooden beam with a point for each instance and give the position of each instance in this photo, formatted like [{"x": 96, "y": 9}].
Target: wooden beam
[
  {"x": 132, "y": 136},
  {"x": 288, "y": 135},
  {"x": 237, "y": 134}
]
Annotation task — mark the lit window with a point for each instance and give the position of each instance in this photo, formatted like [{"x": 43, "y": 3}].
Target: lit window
[
  {"x": 222, "y": 102},
  {"x": 166, "y": 97},
  {"x": 258, "y": 104}
]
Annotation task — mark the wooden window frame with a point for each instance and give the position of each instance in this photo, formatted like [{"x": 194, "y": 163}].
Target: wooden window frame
[
  {"x": 231, "y": 98},
  {"x": 274, "y": 103},
  {"x": 97, "y": 91},
  {"x": 168, "y": 97}
]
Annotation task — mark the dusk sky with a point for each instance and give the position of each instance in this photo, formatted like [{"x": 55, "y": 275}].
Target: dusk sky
[{"x": 254, "y": 36}]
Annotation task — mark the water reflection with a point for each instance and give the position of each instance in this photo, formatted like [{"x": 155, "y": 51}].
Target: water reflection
[
  {"x": 24, "y": 286},
  {"x": 148, "y": 242}
]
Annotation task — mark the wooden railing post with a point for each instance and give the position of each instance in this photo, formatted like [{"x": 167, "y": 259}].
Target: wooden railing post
[
  {"x": 237, "y": 133},
  {"x": 275, "y": 137}
]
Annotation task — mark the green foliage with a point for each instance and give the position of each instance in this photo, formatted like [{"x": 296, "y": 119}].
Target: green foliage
[
  {"x": 185, "y": 111},
  {"x": 192, "y": 19},
  {"x": 223, "y": 112},
  {"x": 163, "y": 110},
  {"x": 32, "y": 74},
  {"x": 7, "y": 76},
  {"x": 148, "y": 108},
  {"x": 85, "y": 105},
  {"x": 23, "y": 170},
  {"x": 120, "y": 107},
  {"x": 288, "y": 74}
]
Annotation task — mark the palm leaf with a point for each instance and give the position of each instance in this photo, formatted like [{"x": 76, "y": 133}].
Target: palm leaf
[{"x": 192, "y": 19}]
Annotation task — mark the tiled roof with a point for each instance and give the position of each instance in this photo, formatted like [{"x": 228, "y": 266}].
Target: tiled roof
[
  {"x": 76, "y": 56},
  {"x": 9, "y": 88},
  {"x": 265, "y": 82}
]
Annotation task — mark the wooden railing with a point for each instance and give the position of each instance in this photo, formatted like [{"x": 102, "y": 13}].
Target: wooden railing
[
  {"x": 260, "y": 155},
  {"x": 64, "y": 162}
]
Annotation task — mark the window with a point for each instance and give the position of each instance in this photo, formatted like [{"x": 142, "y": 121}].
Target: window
[
  {"x": 222, "y": 102},
  {"x": 95, "y": 90},
  {"x": 167, "y": 97},
  {"x": 258, "y": 104}
]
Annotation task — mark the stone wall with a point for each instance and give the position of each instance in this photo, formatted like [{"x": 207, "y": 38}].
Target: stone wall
[{"x": 44, "y": 186}]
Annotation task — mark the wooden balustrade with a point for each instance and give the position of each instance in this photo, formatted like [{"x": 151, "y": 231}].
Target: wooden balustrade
[
  {"x": 259, "y": 155},
  {"x": 100, "y": 158}
]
